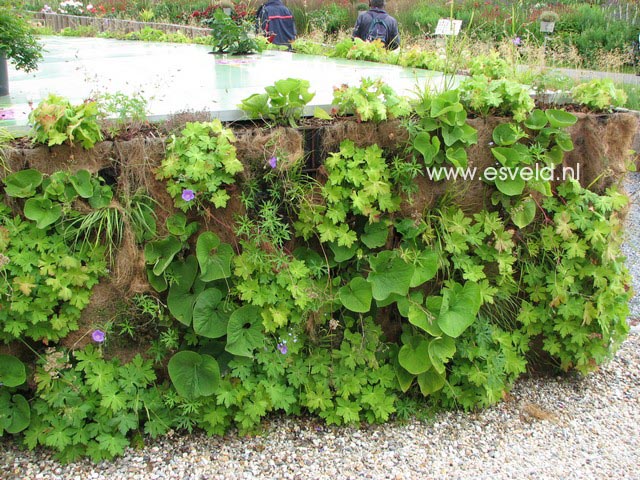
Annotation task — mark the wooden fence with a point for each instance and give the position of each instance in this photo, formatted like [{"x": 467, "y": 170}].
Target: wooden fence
[{"x": 58, "y": 22}]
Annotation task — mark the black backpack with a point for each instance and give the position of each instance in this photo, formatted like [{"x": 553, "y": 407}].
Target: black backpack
[{"x": 378, "y": 30}]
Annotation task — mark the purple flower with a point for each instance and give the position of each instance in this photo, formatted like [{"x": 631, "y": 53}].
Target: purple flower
[
  {"x": 517, "y": 41},
  {"x": 273, "y": 161},
  {"x": 188, "y": 195},
  {"x": 98, "y": 336},
  {"x": 282, "y": 348}
]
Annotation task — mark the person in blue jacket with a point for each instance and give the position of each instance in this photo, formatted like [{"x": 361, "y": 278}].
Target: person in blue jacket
[
  {"x": 276, "y": 22},
  {"x": 377, "y": 24}
]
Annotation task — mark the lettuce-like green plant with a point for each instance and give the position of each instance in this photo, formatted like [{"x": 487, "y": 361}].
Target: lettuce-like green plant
[
  {"x": 283, "y": 102},
  {"x": 55, "y": 121},
  {"x": 373, "y": 100},
  {"x": 599, "y": 94}
]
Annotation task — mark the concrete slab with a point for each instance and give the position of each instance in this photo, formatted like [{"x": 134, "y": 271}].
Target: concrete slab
[{"x": 184, "y": 77}]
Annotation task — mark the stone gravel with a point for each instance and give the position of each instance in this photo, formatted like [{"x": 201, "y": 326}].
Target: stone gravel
[{"x": 547, "y": 428}]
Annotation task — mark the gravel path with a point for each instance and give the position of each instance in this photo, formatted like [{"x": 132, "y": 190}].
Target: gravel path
[{"x": 549, "y": 428}]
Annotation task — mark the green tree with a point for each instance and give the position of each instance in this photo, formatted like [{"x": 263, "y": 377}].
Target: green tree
[{"x": 17, "y": 43}]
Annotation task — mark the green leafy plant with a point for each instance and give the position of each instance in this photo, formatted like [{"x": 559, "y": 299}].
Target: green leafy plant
[
  {"x": 201, "y": 162},
  {"x": 283, "y": 102},
  {"x": 575, "y": 275},
  {"x": 15, "y": 412},
  {"x": 17, "y": 42},
  {"x": 89, "y": 406},
  {"x": 484, "y": 96},
  {"x": 47, "y": 283},
  {"x": 442, "y": 134},
  {"x": 55, "y": 121},
  {"x": 117, "y": 109},
  {"x": 358, "y": 183},
  {"x": 599, "y": 94},
  {"x": 372, "y": 100},
  {"x": 520, "y": 155},
  {"x": 230, "y": 37}
]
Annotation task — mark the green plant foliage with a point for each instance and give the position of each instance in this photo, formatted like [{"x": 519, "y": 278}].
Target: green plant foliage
[
  {"x": 528, "y": 160},
  {"x": 88, "y": 406},
  {"x": 491, "y": 66},
  {"x": 201, "y": 162},
  {"x": 55, "y": 121},
  {"x": 373, "y": 100},
  {"x": 17, "y": 41},
  {"x": 230, "y": 37},
  {"x": 441, "y": 135},
  {"x": 288, "y": 317},
  {"x": 283, "y": 102},
  {"x": 358, "y": 183},
  {"x": 12, "y": 371},
  {"x": 599, "y": 95},
  {"x": 574, "y": 277},
  {"x": 47, "y": 282},
  {"x": 194, "y": 375},
  {"x": 483, "y": 96},
  {"x": 15, "y": 413},
  {"x": 22, "y": 184}
]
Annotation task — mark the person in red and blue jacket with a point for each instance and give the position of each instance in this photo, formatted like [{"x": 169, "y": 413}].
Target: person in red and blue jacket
[{"x": 276, "y": 22}]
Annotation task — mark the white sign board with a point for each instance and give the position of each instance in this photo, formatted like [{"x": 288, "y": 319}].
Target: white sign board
[{"x": 447, "y": 26}]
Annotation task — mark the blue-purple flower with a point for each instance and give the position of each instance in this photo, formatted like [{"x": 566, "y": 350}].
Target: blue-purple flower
[
  {"x": 98, "y": 336},
  {"x": 273, "y": 161},
  {"x": 517, "y": 41},
  {"x": 188, "y": 195},
  {"x": 282, "y": 348}
]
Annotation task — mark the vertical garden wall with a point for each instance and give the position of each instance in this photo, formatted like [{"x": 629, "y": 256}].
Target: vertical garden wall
[{"x": 209, "y": 276}]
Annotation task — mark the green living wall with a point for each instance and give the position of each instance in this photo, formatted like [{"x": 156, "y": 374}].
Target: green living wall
[{"x": 208, "y": 278}]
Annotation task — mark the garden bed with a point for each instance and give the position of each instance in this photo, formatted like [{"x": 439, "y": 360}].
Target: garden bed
[{"x": 317, "y": 269}]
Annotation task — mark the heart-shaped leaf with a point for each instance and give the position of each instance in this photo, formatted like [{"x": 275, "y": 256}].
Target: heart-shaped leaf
[
  {"x": 389, "y": 274},
  {"x": 427, "y": 146},
  {"x": 356, "y": 295},
  {"x": 457, "y": 156},
  {"x": 82, "y": 183},
  {"x": 560, "y": 118},
  {"x": 426, "y": 266},
  {"x": 194, "y": 375},
  {"x": 375, "y": 234},
  {"x": 460, "y": 305},
  {"x": 341, "y": 253},
  {"x": 244, "y": 331},
  {"x": 160, "y": 253},
  {"x": 158, "y": 282},
  {"x": 12, "y": 371},
  {"x": 214, "y": 257},
  {"x": 523, "y": 212},
  {"x": 15, "y": 414},
  {"x": 512, "y": 185},
  {"x": 507, "y": 156},
  {"x": 430, "y": 382},
  {"x": 440, "y": 352},
  {"x": 208, "y": 318},
  {"x": 180, "y": 303},
  {"x": 183, "y": 273},
  {"x": 102, "y": 196},
  {"x": 414, "y": 355},
  {"x": 22, "y": 184},
  {"x": 506, "y": 134},
  {"x": 42, "y": 211},
  {"x": 537, "y": 120}
]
